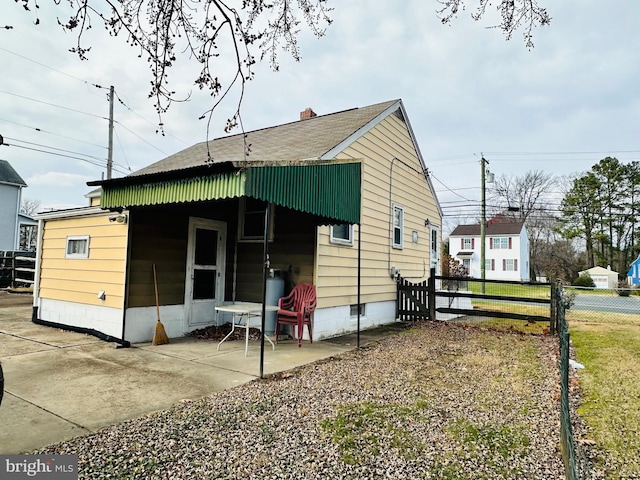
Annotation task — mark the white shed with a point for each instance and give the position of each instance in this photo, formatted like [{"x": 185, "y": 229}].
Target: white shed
[{"x": 603, "y": 277}]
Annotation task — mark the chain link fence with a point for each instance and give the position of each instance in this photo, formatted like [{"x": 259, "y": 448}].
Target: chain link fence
[{"x": 576, "y": 462}]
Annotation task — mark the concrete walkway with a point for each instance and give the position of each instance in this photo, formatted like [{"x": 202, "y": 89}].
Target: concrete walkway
[{"x": 61, "y": 384}]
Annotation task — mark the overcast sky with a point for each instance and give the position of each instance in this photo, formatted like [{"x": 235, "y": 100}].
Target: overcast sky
[{"x": 560, "y": 107}]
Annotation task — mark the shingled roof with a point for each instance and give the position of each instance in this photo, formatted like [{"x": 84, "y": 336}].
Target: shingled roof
[
  {"x": 9, "y": 175},
  {"x": 512, "y": 228},
  {"x": 313, "y": 138}
]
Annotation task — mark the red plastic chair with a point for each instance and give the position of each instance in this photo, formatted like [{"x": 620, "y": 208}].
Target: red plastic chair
[{"x": 296, "y": 310}]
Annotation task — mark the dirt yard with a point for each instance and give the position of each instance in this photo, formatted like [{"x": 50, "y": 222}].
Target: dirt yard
[{"x": 11, "y": 299}]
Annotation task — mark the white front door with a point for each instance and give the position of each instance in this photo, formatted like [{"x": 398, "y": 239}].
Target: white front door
[{"x": 204, "y": 284}]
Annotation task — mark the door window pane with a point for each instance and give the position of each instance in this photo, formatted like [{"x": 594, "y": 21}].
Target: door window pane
[
  {"x": 206, "y": 246},
  {"x": 204, "y": 284}
]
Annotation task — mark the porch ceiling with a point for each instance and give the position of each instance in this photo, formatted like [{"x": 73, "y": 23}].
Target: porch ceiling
[{"x": 330, "y": 190}]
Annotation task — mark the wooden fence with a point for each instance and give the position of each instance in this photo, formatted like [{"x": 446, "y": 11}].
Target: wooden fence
[
  {"x": 17, "y": 269},
  {"x": 473, "y": 297}
]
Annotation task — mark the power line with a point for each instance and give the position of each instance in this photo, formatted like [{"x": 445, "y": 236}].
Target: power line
[
  {"x": 455, "y": 193},
  {"x": 139, "y": 137},
  {"x": 87, "y": 83},
  {"x": 53, "y": 105},
  {"x": 562, "y": 153},
  {"x": 40, "y": 130},
  {"x": 61, "y": 155},
  {"x": 53, "y": 148},
  {"x": 54, "y": 69},
  {"x": 122, "y": 150},
  {"x": 146, "y": 120}
]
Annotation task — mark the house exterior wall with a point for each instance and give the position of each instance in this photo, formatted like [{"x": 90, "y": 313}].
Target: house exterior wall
[
  {"x": 333, "y": 321},
  {"x": 158, "y": 237},
  {"x": 525, "y": 248},
  {"x": 633, "y": 275},
  {"x": 80, "y": 279},
  {"x": 385, "y": 182},
  {"x": 68, "y": 289},
  {"x": 292, "y": 252},
  {"x": 9, "y": 208}
]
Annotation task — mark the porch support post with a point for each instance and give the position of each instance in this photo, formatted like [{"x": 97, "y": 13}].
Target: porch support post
[
  {"x": 265, "y": 269},
  {"x": 359, "y": 279}
]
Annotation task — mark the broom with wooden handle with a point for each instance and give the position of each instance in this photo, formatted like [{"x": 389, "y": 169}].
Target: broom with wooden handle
[{"x": 159, "y": 336}]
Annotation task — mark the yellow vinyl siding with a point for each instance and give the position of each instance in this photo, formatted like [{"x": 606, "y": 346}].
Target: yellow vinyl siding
[
  {"x": 79, "y": 280},
  {"x": 337, "y": 284}
]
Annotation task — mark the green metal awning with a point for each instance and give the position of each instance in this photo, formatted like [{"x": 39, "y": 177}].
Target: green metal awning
[{"x": 329, "y": 190}]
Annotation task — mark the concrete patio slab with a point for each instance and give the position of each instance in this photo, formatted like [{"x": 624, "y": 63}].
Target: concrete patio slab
[{"x": 60, "y": 384}]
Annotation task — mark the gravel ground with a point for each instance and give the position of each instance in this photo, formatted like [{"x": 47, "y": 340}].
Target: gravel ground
[{"x": 435, "y": 402}]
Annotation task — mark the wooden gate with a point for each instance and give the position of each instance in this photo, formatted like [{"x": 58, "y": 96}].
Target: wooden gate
[{"x": 412, "y": 300}]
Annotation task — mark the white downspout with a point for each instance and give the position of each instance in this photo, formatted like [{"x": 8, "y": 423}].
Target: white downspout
[
  {"x": 36, "y": 275},
  {"x": 16, "y": 233}
]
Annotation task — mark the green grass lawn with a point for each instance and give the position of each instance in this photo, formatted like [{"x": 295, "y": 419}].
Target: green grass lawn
[
  {"x": 508, "y": 325},
  {"x": 510, "y": 290},
  {"x": 609, "y": 348}
]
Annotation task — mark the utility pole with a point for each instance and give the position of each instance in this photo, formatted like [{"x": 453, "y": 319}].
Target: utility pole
[
  {"x": 483, "y": 219},
  {"x": 110, "y": 157}
]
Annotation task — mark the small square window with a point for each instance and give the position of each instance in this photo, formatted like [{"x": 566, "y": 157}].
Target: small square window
[
  {"x": 354, "y": 310},
  {"x": 251, "y": 220},
  {"x": 342, "y": 234},
  {"x": 77, "y": 247}
]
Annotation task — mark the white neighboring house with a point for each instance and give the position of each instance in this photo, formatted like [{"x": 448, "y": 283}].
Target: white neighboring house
[{"x": 506, "y": 250}]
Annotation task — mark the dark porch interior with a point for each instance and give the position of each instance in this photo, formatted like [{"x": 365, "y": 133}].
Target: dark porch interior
[{"x": 159, "y": 234}]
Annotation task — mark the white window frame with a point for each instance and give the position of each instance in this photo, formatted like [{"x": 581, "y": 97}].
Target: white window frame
[
  {"x": 340, "y": 240},
  {"x": 510, "y": 265},
  {"x": 500, "y": 243},
  {"x": 241, "y": 221},
  {"x": 394, "y": 227},
  {"x": 467, "y": 243},
  {"x": 77, "y": 238}
]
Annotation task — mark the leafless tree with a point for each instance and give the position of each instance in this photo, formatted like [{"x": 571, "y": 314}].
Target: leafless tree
[
  {"x": 520, "y": 197},
  {"x": 206, "y": 32},
  {"x": 210, "y": 32},
  {"x": 529, "y": 198},
  {"x": 514, "y": 15},
  {"x": 29, "y": 206}
]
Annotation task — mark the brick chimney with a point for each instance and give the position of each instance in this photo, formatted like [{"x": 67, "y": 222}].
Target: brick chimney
[{"x": 307, "y": 113}]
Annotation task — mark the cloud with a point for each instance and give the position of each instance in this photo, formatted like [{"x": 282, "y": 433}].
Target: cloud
[{"x": 58, "y": 180}]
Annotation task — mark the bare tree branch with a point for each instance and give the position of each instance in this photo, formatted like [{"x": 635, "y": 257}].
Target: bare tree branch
[
  {"x": 208, "y": 32},
  {"x": 514, "y": 14},
  {"x": 204, "y": 30}
]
